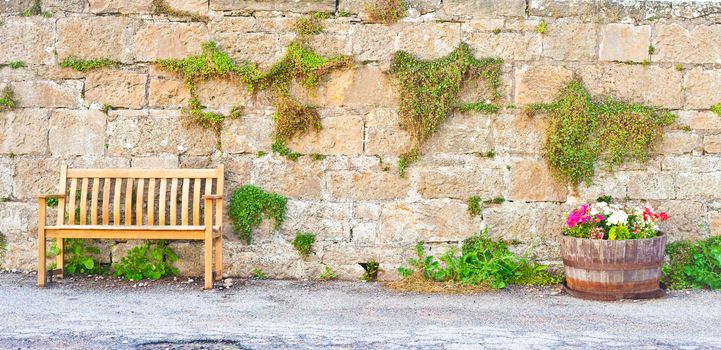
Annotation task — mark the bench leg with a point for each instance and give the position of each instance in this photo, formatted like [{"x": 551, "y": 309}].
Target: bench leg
[
  {"x": 208, "y": 262},
  {"x": 42, "y": 266},
  {"x": 219, "y": 258},
  {"x": 60, "y": 259}
]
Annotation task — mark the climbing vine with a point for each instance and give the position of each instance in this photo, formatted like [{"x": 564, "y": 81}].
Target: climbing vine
[
  {"x": 429, "y": 91},
  {"x": 583, "y": 129},
  {"x": 716, "y": 109},
  {"x": 310, "y": 24},
  {"x": 300, "y": 63},
  {"x": 6, "y": 99},
  {"x": 249, "y": 204},
  {"x": 83, "y": 65},
  {"x": 386, "y": 11}
]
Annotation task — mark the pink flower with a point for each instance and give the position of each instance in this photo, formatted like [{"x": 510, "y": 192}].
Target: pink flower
[{"x": 596, "y": 233}]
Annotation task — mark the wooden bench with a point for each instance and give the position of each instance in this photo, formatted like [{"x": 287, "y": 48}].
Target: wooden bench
[{"x": 121, "y": 204}]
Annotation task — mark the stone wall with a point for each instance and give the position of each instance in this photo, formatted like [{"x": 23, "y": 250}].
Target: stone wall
[{"x": 360, "y": 209}]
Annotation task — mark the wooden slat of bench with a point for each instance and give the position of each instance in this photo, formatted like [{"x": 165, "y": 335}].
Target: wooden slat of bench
[
  {"x": 128, "y": 202},
  {"x": 84, "y": 202},
  {"x": 126, "y": 234},
  {"x": 151, "y": 202},
  {"x": 106, "y": 201},
  {"x": 94, "y": 201},
  {"x": 173, "y": 202},
  {"x": 196, "y": 202},
  {"x": 71, "y": 200},
  {"x": 139, "y": 202},
  {"x": 116, "y": 201},
  {"x": 143, "y": 173},
  {"x": 184, "y": 203},
  {"x": 161, "y": 202}
]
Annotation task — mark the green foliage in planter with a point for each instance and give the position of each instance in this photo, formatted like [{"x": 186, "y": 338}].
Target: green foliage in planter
[
  {"x": 79, "y": 257},
  {"x": 248, "y": 206},
  {"x": 303, "y": 243},
  {"x": 162, "y": 7},
  {"x": 692, "y": 265},
  {"x": 583, "y": 130},
  {"x": 150, "y": 260},
  {"x": 6, "y": 99},
  {"x": 386, "y": 11},
  {"x": 474, "y": 206},
  {"x": 299, "y": 64},
  {"x": 482, "y": 261},
  {"x": 429, "y": 91},
  {"x": 16, "y": 64},
  {"x": 259, "y": 274},
  {"x": 82, "y": 65},
  {"x": 716, "y": 109},
  {"x": 327, "y": 274},
  {"x": 310, "y": 24},
  {"x": 371, "y": 271}
]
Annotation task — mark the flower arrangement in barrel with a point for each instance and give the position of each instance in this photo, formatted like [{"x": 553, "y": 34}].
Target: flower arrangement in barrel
[{"x": 603, "y": 220}]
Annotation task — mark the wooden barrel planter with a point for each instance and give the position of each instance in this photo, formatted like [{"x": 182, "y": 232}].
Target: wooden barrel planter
[{"x": 611, "y": 270}]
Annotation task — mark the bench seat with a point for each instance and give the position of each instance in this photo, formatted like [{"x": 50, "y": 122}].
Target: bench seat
[{"x": 129, "y": 232}]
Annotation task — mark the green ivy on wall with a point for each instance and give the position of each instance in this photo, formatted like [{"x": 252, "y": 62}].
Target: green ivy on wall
[
  {"x": 429, "y": 91},
  {"x": 6, "y": 99},
  {"x": 583, "y": 130}
]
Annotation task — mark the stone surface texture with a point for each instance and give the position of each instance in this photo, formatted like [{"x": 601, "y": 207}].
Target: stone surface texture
[{"x": 349, "y": 192}]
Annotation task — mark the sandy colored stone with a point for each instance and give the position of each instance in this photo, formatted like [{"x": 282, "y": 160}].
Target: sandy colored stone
[
  {"x": 651, "y": 186},
  {"x": 712, "y": 143},
  {"x": 510, "y": 46},
  {"x": 679, "y": 143},
  {"x": 24, "y": 131},
  {"x": 697, "y": 186},
  {"x": 532, "y": 181},
  {"x": 156, "y": 132},
  {"x": 700, "y": 120},
  {"x": 29, "y": 39},
  {"x": 46, "y": 93},
  {"x": 430, "y": 40},
  {"x": 687, "y": 219},
  {"x": 237, "y": 171},
  {"x": 199, "y": 7},
  {"x": 19, "y": 226},
  {"x": 120, "y": 6},
  {"x": 345, "y": 185},
  {"x": 265, "y": 5},
  {"x": 653, "y": 85},
  {"x": 235, "y": 25},
  {"x": 82, "y": 37},
  {"x": 624, "y": 42},
  {"x": 462, "y": 133},
  {"x": 374, "y": 42},
  {"x": 459, "y": 9},
  {"x": 330, "y": 44},
  {"x": 34, "y": 176},
  {"x": 160, "y": 40},
  {"x": 691, "y": 163},
  {"x": 462, "y": 182},
  {"x": 370, "y": 87},
  {"x": 166, "y": 161},
  {"x": 674, "y": 43},
  {"x": 440, "y": 220},
  {"x": 341, "y": 134},
  {"x": 249, "y": 134},
  {"x": 703, "y": 88},
  {"x": 261, "y": 48},
  {"x": 567, "y": 41},
  {"x": 223, "y": 94},
  {"x": 77, "y": 132},
  {"x": 540, "y": 83},
  {"x": 167, "y": 93},
  {"x": 519, "y": 133},
  {"x": 301, "y": 179},
  {"x": 384, "y": 136},
  {"x": 715, "y": 223},
  {"x": 116, "y": 88},
  {"x": 329, "y": 221}
]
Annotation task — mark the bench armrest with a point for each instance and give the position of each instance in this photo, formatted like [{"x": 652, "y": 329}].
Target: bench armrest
[
  {"x": 212, "y": 196},
  {"x": 43, "y": 196}
]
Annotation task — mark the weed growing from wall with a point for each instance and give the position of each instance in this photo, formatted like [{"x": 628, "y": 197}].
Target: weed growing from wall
[
  {"x": 249, "y": 204},
  {"x": 429, "y": 91},
  {"x": 474, "y": 206},
  {"x": 16, "y": 64},
  {"x": 300, "y": 64},
  {"x": 6, "y": 99},
  {"x": 583, "y": 130},
  {"x": 371, "y": 271},
  {"x": 259, "y": 274},
  {"x": 310, "y": 24},
  {"x": 327, "y": 274},
  {"x": 162, "y": 7},
  {"x": 716, "y": 109},
  {"x": 150, "y": 260},
  {"x": 303, "y": 243},
  {"x": 386, "y": 11},
  {"x": 83, "y": 65},
  {"x": 542, "y": 27}
]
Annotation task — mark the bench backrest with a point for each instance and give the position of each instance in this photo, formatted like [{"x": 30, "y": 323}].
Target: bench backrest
[{"x": 137, "y": 197}]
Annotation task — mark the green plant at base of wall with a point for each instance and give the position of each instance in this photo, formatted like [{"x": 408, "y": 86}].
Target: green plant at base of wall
[
  {"x": 6, "y": 99},
  {"x": 371, "y": 271},
  {"x": 259, "y": 274},
  {"x": 83, "y": 65},
  {"x": 162, "y": 7},
  {"x": 150, "y": 260},
  {"x": 327, "y": 274},
  {"x": 303, "y": 243},
  {"x": 386, "y": 11},
  {"x": 582, "y": 130},
  {"x": 79, "y": 257},
  {"x": 716, "y": 109},
  {"x": 310, "y": 24},
  {"x": 482, "y": 261},
  {"x": 693, "y": 265},
  {"x": 429, "y": 91},
  {"x": 249, "y": 204},
  {"x": 16, "y": 64}
]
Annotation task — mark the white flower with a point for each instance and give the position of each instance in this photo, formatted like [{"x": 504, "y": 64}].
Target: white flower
[{"x": 618, "y": 217}]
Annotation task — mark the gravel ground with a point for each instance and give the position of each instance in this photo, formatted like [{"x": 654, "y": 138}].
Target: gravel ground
[{"x": 106, "y": 313}]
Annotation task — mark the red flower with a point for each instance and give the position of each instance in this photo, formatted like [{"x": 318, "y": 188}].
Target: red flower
[{"x": 663, "y": 216}]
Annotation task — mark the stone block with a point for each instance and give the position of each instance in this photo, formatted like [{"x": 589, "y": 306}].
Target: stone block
[
  {"x": 167, "y": 93},
  {"x": 430, "y": 40},
  {"x": 532, "y": 181},
  {"x": 540, "y": 83},
  {"x": 298, "y": 180},
  {"x": 674, "y": 43},
  {"x": 24, "y": 131},
  {"x": 46, "y": 93},
  {"x": 249, "y": 134},
  {"x": 484, "y": 180},
  {"x": 624, "y": 42},
  {"x": 265, "y": 5},
  {"x": 519, "y": 133},
  {"x": 223, "y": 94},
  {"x": 510, "y": 46},
  {"x": 116, "y": 88},
  {"x": 440, "y": 220},
  {"x": 77, "y": 132},
  {"x": 159, "y": 40},
  {"x": 465, "y": 9},
  {"x": 95, "y": 37},
  {"x": 163, "y": 161},
  {"x": 703, "y": 88},
  {"x": 123, "y": 6},
  {"x": 352, "y": 185},
  {"x": 374, "y": 42},
  {"x": 462, "y": 133},
  {"x": 693, "y": 164},
  {"x": 384, "y": 136},
  {"x": 700, "y": 120},
  {"x": 19, "y": 225},
  {"x": 199, "y": 7},
  {"x": 28, "y": 39},
  {"x": 139, "y": 133},
  {"x": 697, "y": 186},
  {"x": 712, "y": 144},
  {"x": 261, "y": 48},
  {"x": 651, "y": 186},
  {"x": 653, "y": 85},
  {"x": 34, "y": 176},
  {"x": 568, "y": 41},
  {"x": 7, "y": 169},
  {"x": 679, "y": 143},
  {"x": 329, "y": 221},
  {"x": 687, "y": 219},
  {"x": 341, "y": 134}
]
